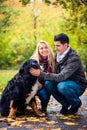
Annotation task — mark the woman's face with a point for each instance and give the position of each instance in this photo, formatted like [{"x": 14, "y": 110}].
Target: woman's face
[{"x": 43, "y": 50}]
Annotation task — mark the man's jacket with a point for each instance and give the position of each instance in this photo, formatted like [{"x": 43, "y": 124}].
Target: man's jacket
[{"x": 69, "y": 68}]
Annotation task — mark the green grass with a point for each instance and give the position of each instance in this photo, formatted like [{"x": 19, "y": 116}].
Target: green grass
[{"x": 5, "y": 76}]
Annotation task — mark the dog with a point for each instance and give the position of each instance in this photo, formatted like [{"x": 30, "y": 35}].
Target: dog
[{"x": 20, "y": 91}]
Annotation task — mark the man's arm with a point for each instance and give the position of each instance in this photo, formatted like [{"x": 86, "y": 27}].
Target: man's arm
[{"x": 72, "y": 65}]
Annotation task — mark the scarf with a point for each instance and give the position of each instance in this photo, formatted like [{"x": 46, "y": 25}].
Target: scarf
[
  {"x": 45, "y": 65},
  {"x": 60, "y": 57}
]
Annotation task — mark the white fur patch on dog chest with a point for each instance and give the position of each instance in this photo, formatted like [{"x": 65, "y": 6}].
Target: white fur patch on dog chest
[{"x": 32, "y": 93}]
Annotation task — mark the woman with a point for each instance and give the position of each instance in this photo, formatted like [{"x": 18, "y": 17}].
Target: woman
[{"x": 45, "y": 57}]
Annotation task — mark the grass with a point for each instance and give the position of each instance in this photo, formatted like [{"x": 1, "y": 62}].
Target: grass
[{"x": 5, "y": 76}]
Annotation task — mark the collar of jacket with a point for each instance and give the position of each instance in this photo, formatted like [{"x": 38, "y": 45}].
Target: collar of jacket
[{"x": 65, "y": 57}]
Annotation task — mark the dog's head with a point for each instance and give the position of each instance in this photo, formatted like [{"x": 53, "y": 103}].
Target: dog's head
[{"x": 31, "y": 63}]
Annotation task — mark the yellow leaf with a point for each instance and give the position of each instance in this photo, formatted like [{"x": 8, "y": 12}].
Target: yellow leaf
[
  {"x": 70, "y": 123},
  {"x": 51, "y": 122},
  {"x": 56, "y": 129},
  {"x": 16, "y": 123},
  {"x": 65, "y": 118},
  {"x": 6, "y": 120},
  {"x": 21, "y": 119},
  {"x": 43, "y": 119},
  {"x": 71, "y": 117},
  {"x": 33, "y": 119},
  {"x": 41, "y": 128}
]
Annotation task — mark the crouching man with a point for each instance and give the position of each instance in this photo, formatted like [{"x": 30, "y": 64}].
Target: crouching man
[{"x": 69, "y": 82}]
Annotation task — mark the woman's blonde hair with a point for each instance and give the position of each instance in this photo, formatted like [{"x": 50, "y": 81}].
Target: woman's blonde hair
[{"x": 51, "y": 58}]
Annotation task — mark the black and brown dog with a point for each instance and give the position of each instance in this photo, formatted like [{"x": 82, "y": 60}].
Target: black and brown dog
[{"x": 20, "y": 91}]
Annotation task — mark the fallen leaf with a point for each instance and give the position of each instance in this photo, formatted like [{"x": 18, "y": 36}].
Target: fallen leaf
[
  {"x": 16, "y": 123},
  {"x": 51, "y": 122},
  {"x": 70, "y": 123},
  {"x": 71, "y": 117},
  {"x": 2, "y": 128},
  {"x": 21, "y": 119},
  {"x": 6, "y": 120},
  {"x": 33, "y": 119},
  {"x": 56, "y": 129},
  {"x": 48, "y": 128},
  {"x": 65, "y": 118},
  {"x": 53, "y": 112},
  {"x": 43, "y": 119},
  {"x": 41, "y": 128}
]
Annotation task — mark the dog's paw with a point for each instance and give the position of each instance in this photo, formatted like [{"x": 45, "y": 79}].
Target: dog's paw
[
  {"x": 39, "y": 113},
  {"x": 42, "y": 115},
  {"x": 11, "y": 116}
]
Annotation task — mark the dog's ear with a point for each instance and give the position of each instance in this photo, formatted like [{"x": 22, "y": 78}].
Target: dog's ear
[{"x": 21, "y": 70}]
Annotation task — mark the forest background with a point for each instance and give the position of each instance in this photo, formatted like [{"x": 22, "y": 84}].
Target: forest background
[{"x": 24, "y": 23}]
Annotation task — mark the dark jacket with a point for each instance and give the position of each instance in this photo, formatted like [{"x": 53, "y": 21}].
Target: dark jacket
[{"x": 70, "y": 68}]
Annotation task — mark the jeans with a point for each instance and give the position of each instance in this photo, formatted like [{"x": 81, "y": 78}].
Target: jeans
[
  {"x": 66, "y": 92},
  {"x": 44, "y": 97}
]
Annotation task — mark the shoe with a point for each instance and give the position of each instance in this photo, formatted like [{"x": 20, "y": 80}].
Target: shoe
[
  {"x": 64, "y": 109},
  {"x": 74, "y": 110}
]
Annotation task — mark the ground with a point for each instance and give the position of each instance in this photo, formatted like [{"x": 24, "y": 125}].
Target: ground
[{"x": 52, "y": 121}]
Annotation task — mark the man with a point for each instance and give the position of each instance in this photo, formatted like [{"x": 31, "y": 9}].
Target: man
[{"x": 69, "y": 82}]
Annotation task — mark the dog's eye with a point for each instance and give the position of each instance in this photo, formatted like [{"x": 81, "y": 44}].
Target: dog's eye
[
  {"x": 35, "y": 62},
  {"x": 34, "y": 66}
]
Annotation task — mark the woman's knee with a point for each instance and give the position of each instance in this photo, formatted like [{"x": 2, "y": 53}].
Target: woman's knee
[
  {"x": 43, "y": 94},
  {"x": 49, "y": 86}
]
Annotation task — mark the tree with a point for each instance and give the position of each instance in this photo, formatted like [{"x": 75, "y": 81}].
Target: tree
[{"x": 5, "y": 48}]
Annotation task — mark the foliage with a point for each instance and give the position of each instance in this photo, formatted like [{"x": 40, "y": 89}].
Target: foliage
[
  {"x": 19, "y": 42},
  {"x": 5, "y": 48},
  {"x": 22, "y": 27},
  {"x": 74, "y": 22}
]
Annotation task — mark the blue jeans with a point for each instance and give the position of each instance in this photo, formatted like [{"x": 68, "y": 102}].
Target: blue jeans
[
  {"x": 66, "y": 92},
  {"x": 44, "y": 97}
]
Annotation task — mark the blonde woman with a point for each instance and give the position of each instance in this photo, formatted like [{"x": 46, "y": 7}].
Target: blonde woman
[{"x": 45, "y": 57}]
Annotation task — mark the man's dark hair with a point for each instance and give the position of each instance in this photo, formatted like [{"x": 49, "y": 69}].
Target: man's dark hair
[{"x": 63, "y": 38}]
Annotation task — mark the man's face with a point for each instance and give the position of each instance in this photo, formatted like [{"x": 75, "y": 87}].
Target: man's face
[{"x": 60, "y": 48}]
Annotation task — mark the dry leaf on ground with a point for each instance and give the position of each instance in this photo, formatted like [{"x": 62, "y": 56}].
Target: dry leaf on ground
[
  {"x": 57, "y": 129},
  {"x": 16, "y": 123},
  {"x": 33, "y": 119},
  {"x": 71, "y": 117},
  {"x": 6, "y": 120},
  {"x": 71, "y": 123},
  {"x": 51, "y": 122}
]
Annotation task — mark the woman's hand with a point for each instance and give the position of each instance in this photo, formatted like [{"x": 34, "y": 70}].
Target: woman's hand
[
  {"x": 35, "y": 72},
  {"x": 40, "y": 86}
]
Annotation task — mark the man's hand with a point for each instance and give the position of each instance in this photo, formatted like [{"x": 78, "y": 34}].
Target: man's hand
[{"x": 35, "y": 72}]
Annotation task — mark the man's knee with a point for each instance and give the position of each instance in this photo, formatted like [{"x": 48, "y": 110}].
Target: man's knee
[{"x": 61, "y": 87}]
